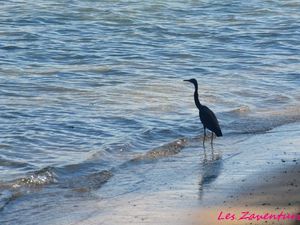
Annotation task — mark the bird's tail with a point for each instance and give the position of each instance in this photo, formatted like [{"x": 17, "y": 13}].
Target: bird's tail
[{"x": 219, "y": 133}]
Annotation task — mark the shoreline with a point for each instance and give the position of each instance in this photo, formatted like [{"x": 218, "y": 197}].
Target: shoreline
[{"x": 258, "y": 173}]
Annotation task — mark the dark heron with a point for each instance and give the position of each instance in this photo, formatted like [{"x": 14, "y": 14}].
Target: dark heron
[{"x": 207, "y": 117}]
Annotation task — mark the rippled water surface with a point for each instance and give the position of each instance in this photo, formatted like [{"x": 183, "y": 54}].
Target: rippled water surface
[{"x": 89, "y": 88}]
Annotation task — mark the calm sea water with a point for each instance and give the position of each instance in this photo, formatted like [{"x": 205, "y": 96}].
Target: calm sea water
[{"x": 89, "y": 88}]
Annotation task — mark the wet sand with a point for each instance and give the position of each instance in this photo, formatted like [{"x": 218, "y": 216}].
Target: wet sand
[{"x": 275, "y": 193}]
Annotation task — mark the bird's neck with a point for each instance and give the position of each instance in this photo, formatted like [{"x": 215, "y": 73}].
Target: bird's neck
[{"x": 196, "y": 98}]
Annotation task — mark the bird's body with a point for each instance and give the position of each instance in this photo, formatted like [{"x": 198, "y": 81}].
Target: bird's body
[
  {"x": 207, "y": 117},
  {"x": 209, "y": 120}
]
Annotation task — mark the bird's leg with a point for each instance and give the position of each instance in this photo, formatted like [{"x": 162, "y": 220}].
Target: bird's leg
[
  {"x": 212, "y": 152},
  {"x": 204, "y": 134},
  {"x": 212, "y": 138},
  {"x": 205, "y": 157}
]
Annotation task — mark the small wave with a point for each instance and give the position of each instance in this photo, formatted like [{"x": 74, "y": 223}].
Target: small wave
[
  {"x": 11, "y": 47},
  {"x": 58, "y": 89},
  {"x": 11, "y": 163},
  {"x": 42, "y": 177},
  {"x": 36, "y": 179},
  {"x": 12, "y": 190},
  {"x": 255, "y": 125},
  {"x": 48, "y": 175},
  {"x": 70, "y": 69},
  {"x": 241, "y": 110},
  {"x": 260, "y": 121},
  {"x": 90, "y": 182},
  {"x": 155, "y": 133},
  {"x": 6, "y": 196},
  {"x": 166, "y": 150}
]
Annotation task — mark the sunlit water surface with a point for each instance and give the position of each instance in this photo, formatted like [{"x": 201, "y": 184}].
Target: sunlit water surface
[{"x": 93, "y": 90}]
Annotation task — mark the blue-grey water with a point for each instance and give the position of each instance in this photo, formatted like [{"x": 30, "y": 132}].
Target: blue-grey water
[{"x": 93, "y": 90}]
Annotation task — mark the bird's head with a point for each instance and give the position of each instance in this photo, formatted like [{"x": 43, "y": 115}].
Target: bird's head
[{"x": 193, "y": 81}]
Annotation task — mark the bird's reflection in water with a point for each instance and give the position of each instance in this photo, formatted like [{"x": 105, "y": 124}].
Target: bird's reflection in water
[{"x": 210, "y": 169}]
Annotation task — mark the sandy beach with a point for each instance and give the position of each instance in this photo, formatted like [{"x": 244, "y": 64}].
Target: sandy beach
[{"x": 275, "y": 200}]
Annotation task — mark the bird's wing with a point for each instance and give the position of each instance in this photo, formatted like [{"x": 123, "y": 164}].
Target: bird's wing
[{"x": 209, "y": 119}]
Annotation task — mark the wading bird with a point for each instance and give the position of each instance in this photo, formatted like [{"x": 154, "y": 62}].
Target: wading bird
[{"x": 207, "y": 117}]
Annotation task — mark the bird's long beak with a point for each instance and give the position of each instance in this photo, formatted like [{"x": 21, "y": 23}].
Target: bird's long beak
[{"x": 186, "y": 80}]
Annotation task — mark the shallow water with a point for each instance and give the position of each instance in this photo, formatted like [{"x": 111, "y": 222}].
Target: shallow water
[{"x": 90, "y": 90}]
